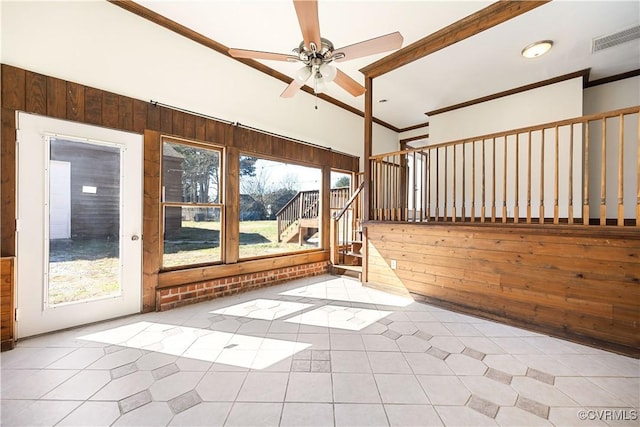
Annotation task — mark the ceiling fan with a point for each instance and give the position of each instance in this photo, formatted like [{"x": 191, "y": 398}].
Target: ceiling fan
[{"x": 317, "y": 53}]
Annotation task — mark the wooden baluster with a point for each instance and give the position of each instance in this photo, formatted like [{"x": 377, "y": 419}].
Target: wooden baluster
[
  {"x": 423, "y": 179},
  {"x": 446, "y": 164},
  {"x": 455, "y": 172},
  {"x": 493, "y": 180},
  {"x": 428, "y": 178},
  {"x": 603, "y": 175},
  {"x": 621, "y": 172},
  {"x": 529, "y": 179},
  {"x": 541, "y": 218},
  {"x": 504, "y": 181},
  {"x": 585, "y": 178},
  {"x": 414, "y": 186},
  {"x": 570, "y": 219},
  {"x": 516, "y": 209},
  {"x": 437, "y": 216},
  {"x": 556, "y": 209},
  {"x": 484, "y": 199},
  {"x": 463, "y": 215},
  {"x": 638, "y": 174},
  {"x": 473, "y": 181}
]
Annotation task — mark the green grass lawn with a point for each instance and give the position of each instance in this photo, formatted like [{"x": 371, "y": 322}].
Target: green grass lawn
[{"x": 88, "y": 268}]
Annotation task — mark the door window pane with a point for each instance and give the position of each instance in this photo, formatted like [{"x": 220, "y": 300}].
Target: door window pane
[{"x": 84, "y": 221}]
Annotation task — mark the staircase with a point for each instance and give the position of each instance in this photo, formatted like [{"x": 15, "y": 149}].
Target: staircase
[
  {"x": 299, "y": 218},
  {"x": 347, "y": 241}
]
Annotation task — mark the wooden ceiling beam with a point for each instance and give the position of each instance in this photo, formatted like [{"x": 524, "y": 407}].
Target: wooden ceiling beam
[{"x": 486, "y": 18}]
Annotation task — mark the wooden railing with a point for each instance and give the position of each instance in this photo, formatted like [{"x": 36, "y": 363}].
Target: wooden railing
[
  {"x": 577, "y": 171},
  {"x": 344, "y": 224},
  {"x": 306, "y": 205}
]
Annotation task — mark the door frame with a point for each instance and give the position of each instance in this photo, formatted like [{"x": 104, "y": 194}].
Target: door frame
[{"x": 33, "y": 315}]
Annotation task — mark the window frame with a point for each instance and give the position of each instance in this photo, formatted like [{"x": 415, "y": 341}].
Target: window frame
[{"x": 220, "y": 149}]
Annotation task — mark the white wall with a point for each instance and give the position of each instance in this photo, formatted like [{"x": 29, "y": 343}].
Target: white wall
[
  {"x": 537, "y": 106},
  {"x": 612, "y": 96},
  {"x": 101, "y": 45}
]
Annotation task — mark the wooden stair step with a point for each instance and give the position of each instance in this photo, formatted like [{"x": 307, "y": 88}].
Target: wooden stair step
[
  {"x": 351, "y": 253},
  {"x": 356, "y": 268}
]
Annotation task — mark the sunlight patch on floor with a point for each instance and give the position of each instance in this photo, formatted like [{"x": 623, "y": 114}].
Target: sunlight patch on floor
[
  {"x": 347, "y": 290},
  {"x": 264, "y": 309},
  {"x": 202, "y": 344}
]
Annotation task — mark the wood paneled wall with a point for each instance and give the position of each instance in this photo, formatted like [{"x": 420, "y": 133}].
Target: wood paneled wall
[
  {"x": 579, "y": 283},
  {"x": 24, "y": 90}
]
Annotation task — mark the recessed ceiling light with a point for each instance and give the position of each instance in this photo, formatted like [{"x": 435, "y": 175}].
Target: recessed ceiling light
[{"x": 537, "y": 49}]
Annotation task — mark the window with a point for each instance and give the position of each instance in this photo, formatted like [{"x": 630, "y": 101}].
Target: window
[
  {"x": 191, "y": 203},
  {"x": 279, "y": 207}
]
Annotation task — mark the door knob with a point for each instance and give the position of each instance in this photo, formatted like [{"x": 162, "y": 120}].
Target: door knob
[{"x": 135, "y": 237}]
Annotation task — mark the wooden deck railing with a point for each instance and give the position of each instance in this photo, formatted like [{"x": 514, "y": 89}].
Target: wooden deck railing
[
  {"x": 306, "y": 205},
  {"x": 577, "y": 171}
]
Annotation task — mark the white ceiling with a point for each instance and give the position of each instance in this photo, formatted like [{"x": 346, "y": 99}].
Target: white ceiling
[{"x": 482, "y": 65}]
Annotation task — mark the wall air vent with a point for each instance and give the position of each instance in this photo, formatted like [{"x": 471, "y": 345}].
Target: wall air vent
[{"x": 611, "y": 40}]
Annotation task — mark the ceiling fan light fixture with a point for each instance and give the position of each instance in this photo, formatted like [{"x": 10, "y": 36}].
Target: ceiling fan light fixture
[
  {"x": 537, "y": 49},
  {"x": 328, "y": 72},
  {"x": 303, "y": 74}
]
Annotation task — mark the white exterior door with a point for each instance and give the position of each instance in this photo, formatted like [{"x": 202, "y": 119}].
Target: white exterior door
[{"x": 79, "y": 211}]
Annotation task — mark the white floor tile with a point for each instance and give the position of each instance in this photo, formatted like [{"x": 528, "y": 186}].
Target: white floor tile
[
  {"x": 360, "y": 415},
  {"x": 355, "y": 388},
  {"x": 263, "y": 387},
  {"x": 309, "y": 387},
  {"x": 254, "y": 414},
  {"x": 204, "y": 414},
  {"x": 395, "y": 388},
  {"x": 92, "y": 413},
  {"x": 307, "y": 414}
]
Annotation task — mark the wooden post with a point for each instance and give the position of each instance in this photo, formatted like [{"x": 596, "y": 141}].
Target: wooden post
[
  {"x": 368, "y": 148},
  {"x": 428, "y": 180},
  {"x": 231, "y": 216},
  {"x": 325, "y": 208}
]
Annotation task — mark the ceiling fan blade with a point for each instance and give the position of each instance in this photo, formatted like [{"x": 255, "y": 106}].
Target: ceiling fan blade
[
  {"x": 256, "y": 54},
  {"x": 292, "y": 89},
  {"x": 372, "y": 46},
  {"x": 348, "y": 84},
  {"x": 307, "y": 11}
]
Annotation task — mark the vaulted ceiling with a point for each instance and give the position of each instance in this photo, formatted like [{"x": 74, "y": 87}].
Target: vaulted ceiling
[{"x": 479, "y": 66}]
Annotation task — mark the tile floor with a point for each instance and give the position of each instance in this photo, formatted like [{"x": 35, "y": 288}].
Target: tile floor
[{"x": 315, "y": 352}]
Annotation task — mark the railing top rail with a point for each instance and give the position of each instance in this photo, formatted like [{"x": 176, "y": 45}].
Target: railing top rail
[
  {"x": 575, "y": 120},
  {"x": 339, "y": 215}
]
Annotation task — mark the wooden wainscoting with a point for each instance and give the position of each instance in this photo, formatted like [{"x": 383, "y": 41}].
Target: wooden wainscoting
[
  {"x": 7, "y": 315},
  {"x": 577, "y": 282}
]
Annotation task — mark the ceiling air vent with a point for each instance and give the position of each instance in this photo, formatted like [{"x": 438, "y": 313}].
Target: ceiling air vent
[{"x": 611, "y": 40}]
